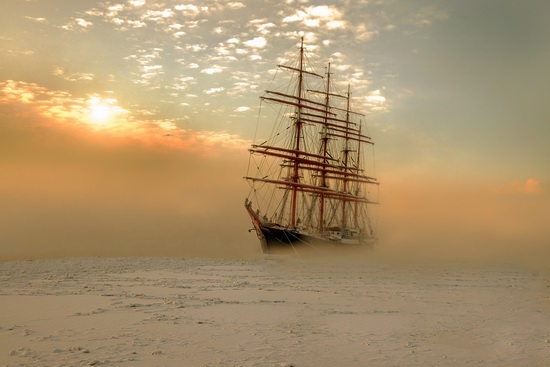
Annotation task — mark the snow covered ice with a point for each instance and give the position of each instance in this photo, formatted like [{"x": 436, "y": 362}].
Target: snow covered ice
[{"x": 292, "y": 312}]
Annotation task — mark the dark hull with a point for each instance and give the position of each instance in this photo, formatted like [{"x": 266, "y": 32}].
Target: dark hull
[
  {"x": 284, "y": 240},
  {"x": 277, "y": 239},
  {"x": 281, "y": 240}
]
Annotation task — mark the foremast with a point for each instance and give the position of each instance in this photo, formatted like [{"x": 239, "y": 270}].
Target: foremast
[{"x": 298, "y": 134}]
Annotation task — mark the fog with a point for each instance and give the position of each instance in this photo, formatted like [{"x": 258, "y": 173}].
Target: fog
[
  {"x": 465, "y": 221},
  {"x": 67, "y": 194}
]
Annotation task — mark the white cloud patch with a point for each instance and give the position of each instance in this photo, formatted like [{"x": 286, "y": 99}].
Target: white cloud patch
[
  {"x": 37, "y": 20},
  {"x": 376, "y": 101},
  {"x": 335, "y": 24},
  {"x": 158, "y": 16},
  {"x": 115, "y": 8},
  {"x": 73, "y": 77},
  {"x": 324, "y": 11},
  {"x": 312, "y": 22},
  {"x": 315, "y": 16},
  {"x": 258, "y": 42},
  {"x": 137, "y": 3},
  {"x": 150, "y": 70},
  {"x": 183, "y": 83},
  {"x": 175, "y": 26},
  {"x": 212, "y": 70},
  {"x": 214, "y": 90},
  {"x": 190, "y": 10},
  {"x": 235, "y": 5},
  {"x": 78, "y": 24},
  {"x": 196, "y": 47},
  {"x": 262, "y": 26},
  {"x": 135, "y": 23}
]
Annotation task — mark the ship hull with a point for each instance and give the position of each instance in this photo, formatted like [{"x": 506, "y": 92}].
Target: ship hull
[
  {"x": 276, "y": 239},
  {"x": 282, "y": 240}
]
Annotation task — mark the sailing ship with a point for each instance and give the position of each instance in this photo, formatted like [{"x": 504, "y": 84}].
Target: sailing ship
[{"x": 309, "y": 184}]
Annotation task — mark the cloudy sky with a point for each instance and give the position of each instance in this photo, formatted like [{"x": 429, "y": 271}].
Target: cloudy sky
[{"x": 124, "y": 124}]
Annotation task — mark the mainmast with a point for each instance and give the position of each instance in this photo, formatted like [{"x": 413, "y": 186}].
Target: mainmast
[
  {"x": 298, "y": 134},
  {"x": 346, "y": 158}
]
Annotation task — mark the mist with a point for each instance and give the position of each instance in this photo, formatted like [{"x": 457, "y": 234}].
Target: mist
[
  {"x": 64, "y": 194},
  {"x": 70, "y": 193},
  {"x": 446, "y": 219}
]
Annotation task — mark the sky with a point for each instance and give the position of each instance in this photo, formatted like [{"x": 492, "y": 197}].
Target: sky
[{"x": 124, "y": 125}]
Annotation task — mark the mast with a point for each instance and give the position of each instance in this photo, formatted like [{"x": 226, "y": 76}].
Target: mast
[
  {"x": 325, "y": 139},
  {"x": 346, "y": 159},
  {"x": 357, "y": 187},
  {"x": 298, "y": 133}
]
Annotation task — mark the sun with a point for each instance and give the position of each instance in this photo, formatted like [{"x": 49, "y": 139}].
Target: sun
[
  {"x": 100, "y": 114},
  {"x": 101, "y": 111}
]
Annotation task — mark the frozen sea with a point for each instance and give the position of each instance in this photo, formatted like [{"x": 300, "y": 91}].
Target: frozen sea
[{"x": 271, "y": 312}]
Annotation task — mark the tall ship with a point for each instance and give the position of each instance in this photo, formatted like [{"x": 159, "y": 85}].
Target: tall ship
[{"x": 312, "y": 184}]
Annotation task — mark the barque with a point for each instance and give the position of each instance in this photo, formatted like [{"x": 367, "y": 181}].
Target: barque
[{"x": 311, "y": 185}]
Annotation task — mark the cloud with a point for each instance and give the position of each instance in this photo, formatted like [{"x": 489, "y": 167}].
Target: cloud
[
  {"x": 263, "y": 26},
  {"x": 212, "y": 70},
  {"x": 214, "y": 90},
  {"x": 73, "y": 77},
  {"x": 315, "y": 16},
  {"x": 196, "y": 47},
  {"x": 530, "y": 186},
  {"x": 158, "y": 15},
  {"x": 78, "y": 24},
  {"x": 363, "y": 32},
  {"x": 96, "y": 114},
  {"x": 376, "y": 101},
  {"x": 191, "y": 10},
  {"x": 182, "y": 83},
  {"x": 136, "y": 23},
  {"x": 258, "y": 42},
  {"x": 61, "y": 108},
  {"x": 150, "y": 71},
  {"x": 137, "y": 3},
  {"x": 37, "y": 19},
  {"x": 235, "y": 5}
]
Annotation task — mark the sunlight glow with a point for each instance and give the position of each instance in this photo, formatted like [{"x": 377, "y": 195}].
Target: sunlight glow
[{"x": 102, "y": 111}]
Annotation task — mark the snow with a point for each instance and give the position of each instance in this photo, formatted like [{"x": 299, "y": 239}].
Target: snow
[{"x": 283, "y": 312}]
